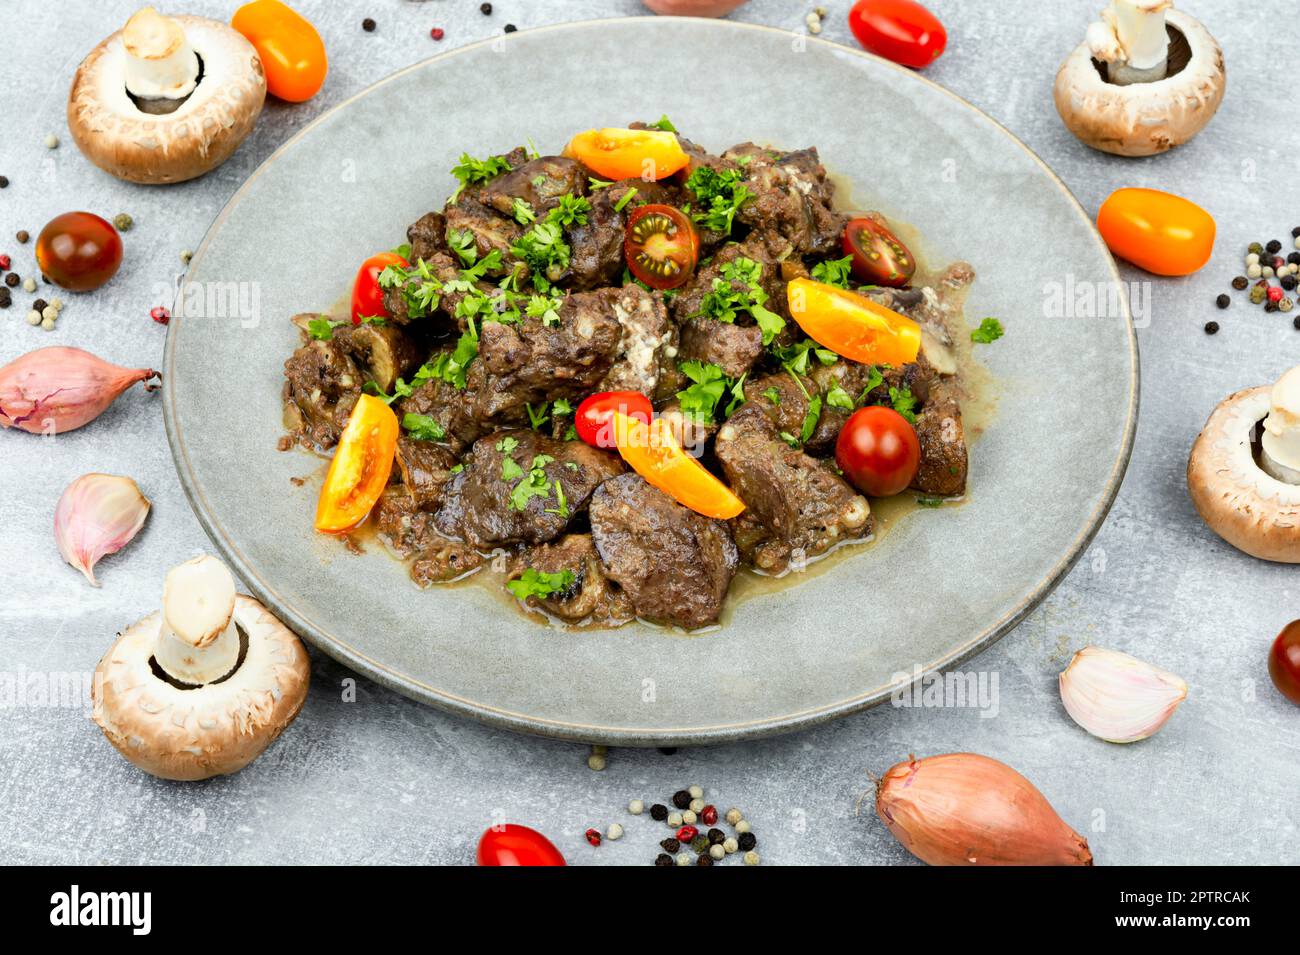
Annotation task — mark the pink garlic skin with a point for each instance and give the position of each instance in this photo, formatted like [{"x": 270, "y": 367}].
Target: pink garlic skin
[
  {"x": 57, "y": 389},
  {"x": 97, "y": 515}
]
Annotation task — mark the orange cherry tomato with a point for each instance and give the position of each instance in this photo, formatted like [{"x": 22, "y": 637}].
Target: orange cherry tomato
[
  {"x": 661, "y": 246},
  {"x": 367, "y": 296},
  {"x": 292, "y": 54},
  {"x": 647, "y": 154},
  {"x": 79, "y": 251},
  {"x": 1157, "y": 231},
  {"x": 363, "y": 462},
  {"x": 851, "y": 325},
  {"x": 512, "y": 845},
  {"x": 652, "y": 452}
]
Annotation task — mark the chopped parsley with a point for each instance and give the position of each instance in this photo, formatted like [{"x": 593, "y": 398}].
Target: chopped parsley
[
  {"x": 421, "y": 289},
  {"x": 773, "y": 394},
  {"x": 423, "y": 428},
  {"x": 539, "y": 417},
  {"x": 700, "y": 400},
  {"x": 931, "y": 501},
  {"x": 627, "y": 197},
  {"x": 663, "y": 123},
  {"x": 837, "y": 397},
  {"x": 523, "y": 212},
  {"x": 450, "y": 366},
  {"x": 534, "y": 484},
  {"x": 570, "y": 210},
  {"x": 400, "y": 390},
  {"x": 595, "y": 183},
  {"x": 874, "y": 380},
  {"x": 322, "y": 329},
  {"x": 719, "y": 196},
  {"x": 472, "y": 172},
  {"x": 833, "y": 272},
  {"x": 540, "y": 583},
  {"x": 726, "y": 301},
  {"x": 545, "y": 307},
  {"x": 544, "y": 249},
  {"x": 796, "y": 358},
  {"x": 811, "y": 418},
  {"x": 990, "y": 330},
  {"x": 462, "y": 242},
  {"x": 904, "y": 402}
]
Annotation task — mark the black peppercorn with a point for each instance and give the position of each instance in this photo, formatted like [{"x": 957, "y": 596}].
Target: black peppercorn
[
  {"x": 662, "y": 859},
  {"x": 1211, "y": 328},
  {"x": 39, "y": 304},
  {"x": 671, "y": 845},
  {"x": 368, "y": 25},
  {"x": 716, "y": 836},
  {"x": 704, "y": 860},
  {"x": 1295, "y": 233},
  {"x": 1287, "y": 282},
  {"x": 485, "y": 9},
  {"x": 5, "y": 298},
  {"x": 747, "y": 840},
  {"x": 668, "y": 750},
  {"x": 511, "y": 28},
  {"x": 1240, "y": 282},
  {"x": 1223, "y": 301},
  {"x": 22, "y": 236},
  {"x": 1294, "y": 258},
  {"x": 682, "y": 799},
  {"x": 1296, "y": 322},
  {"x": 1273, "y": 247},
  {"x": 658, "y": 812},
  {"x": 1270, "y": 306},
  {"x": 4, "y": 182},
  {"x": 12, "y": 279}
]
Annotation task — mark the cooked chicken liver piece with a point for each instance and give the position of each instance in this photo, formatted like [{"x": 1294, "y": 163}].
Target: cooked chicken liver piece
[
  {"x": 648, "y": 343},
  {"x": 674, "y": 564},
  {"x": 539, "y": 182},
  {"x": 792, "y": 199},
  {"x": 943, "y": 443},
  {"x": 427, "y": 236},
  {"x": 322, "y": 384},
  {"x": 425, "y": 467},
  {"x": 490, "y": 231},
  {"x": 592, "y": 597}
]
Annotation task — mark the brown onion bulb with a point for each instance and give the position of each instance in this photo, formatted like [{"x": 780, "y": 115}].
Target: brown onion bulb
[
  {"x": 966, "y": 809},
  {"x": 57, "y": 389}
]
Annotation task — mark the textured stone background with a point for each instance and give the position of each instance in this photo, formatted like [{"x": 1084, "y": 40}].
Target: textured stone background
[{"x": 383, "y": 779}]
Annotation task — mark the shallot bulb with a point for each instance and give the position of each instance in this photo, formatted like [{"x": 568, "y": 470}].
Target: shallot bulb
[
  {"x": 966, "y": 809},
  {"x": 57, "y": 389},
  {"x": 97, "y": 515}
]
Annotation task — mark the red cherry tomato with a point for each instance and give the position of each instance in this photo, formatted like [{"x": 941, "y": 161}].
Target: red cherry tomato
[
  {"x": 367, "y": 296},
  {"x": 661, "y": 246},
  {"x": 898, "y": 30},
  {"x": 878, "y": 451},
  {"x": 1284, "y": 662},
  {"x": 79, "y": 251},
  {"x": 879, "y": 258},
  {"x": 511, "y": 845},
  {"x": 594, "y": 419}
]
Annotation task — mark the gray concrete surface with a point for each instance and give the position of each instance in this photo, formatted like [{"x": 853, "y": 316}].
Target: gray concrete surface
[{"x": 370, "y": 777}]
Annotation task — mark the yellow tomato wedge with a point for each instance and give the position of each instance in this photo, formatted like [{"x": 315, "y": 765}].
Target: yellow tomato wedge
[
  {"x": 628, "y": 153},
  {"x": 652, "y": 452},
  {"x": 361, "y": 467},
  {"x": 851, "y": 325}
]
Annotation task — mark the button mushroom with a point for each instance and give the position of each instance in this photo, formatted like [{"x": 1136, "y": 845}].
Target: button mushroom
[
  {"x": 1146, "y": 78},
  {"x": 165, "y": 99},
  {"x": 203, "y": 686},
  {"x": 1244, "y": 471}
]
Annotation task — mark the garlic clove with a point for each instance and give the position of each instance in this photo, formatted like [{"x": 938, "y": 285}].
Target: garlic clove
[
  {"x": 1117, "y": 697},
  {"x": 97, "y": 515}
]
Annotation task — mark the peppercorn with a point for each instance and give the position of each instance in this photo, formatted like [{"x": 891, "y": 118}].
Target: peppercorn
[
  {"x": 1254, "y": 271},
  {"x": 1295, "y": 322},
  {"x": 683, "y": 858},
  {"x": 1223, "y": 301},
  {"x": 689, "y": 817},
  {"x": 671, "y": 845},
  {"x": 1270, "y": 306},
  {"x": 4, "y": 182},
  {"x": 437, "y": 33},
  {"x": 668, "y": 750},
  {"x": 596, "y": 762},
  {"x": 704, "y": 860},
  {"x": 1257, "y": 295},
  {"x": 1275, "y": 293},
  {"x": 681, "y": 799},
  {"x": 662, "y": 859},
  {"x": 1255, "y": 248},
  {"x": 696, "y": 792},
  {"x": 717, "y": 853},
  {"x": 751, "y": 858},
  {"x": 742, "y": 826},
  {"x": 700, "y": 844},
  {"x": 636, "y": 807},
  {"x": 368, "y": 25},
  {"x": 733, "y": 816},
  {"x": 1240, "y": 282},
  {"x": 1273, "y": 246},
  {"x": 716, "y": 836},
  {"x": 730, "y": 845},
  {"x": 1285, "y": 305},
  {"x": 687, "y": 833},
  {"x": 511, "y": 28},
  {"x": 709, "y": 815},
  {"x": 6, "y": 299},
  {"x": 51, "y": 141},
  {"x": 697, "y": 805},
  {"x": 29, "y": 283},
  {"x": 674, "y": 820},
  {"x": 1294, "y": 258},
  {"x": 22, "y": 236},
  {"x": 593, "y": 836},
  {"x": 1288, "y": 282},
  {"x": 40, "y": 304},
  {"x": 160, "y": 315},
  {"x": 485, "y": 9},
  {"x": 614, "y": 832},
  {"x": 5, "y": 262},
  {"x": 747, "y": 841},
  {"x": 123, "y": 222},
  {"x": 1295, "y": 233},
  {"x": 12, "y": 279},
  {"x": 658, "y": 812}
]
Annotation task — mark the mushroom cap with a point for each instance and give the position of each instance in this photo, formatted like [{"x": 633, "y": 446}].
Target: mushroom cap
[
  {"x": 197, "y": 137},
  {"x": 188, "y": 733},
  {"x": 1251, "y": 510},
  {"x": 1143, "y": 119}
]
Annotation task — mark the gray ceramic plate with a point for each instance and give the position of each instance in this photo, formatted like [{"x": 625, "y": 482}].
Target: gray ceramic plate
[{"x": 944, "y": 584}]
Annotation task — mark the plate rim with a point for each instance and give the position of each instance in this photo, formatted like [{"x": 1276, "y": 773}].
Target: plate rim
[{"x": 340, "y": 650}]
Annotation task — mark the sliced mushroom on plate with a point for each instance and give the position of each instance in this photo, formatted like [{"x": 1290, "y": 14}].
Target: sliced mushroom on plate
[
  {"x": 165, "y": 99},
  {"x": 1244, "y": 471},
  {"x": 203, "y": 686},
  {"x": 1146, "y": 78}
]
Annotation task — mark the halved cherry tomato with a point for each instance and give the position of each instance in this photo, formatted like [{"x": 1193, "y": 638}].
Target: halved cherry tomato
[
  {"x": 367, "y": 296},
  {"x": 291, "y": 51},
  {"x": 878, "y": 255},
  {"x": 878, "y": 451},
  {"x": 647, "y": 154},
  {"x": 661, "y": 246},
  {"x": 512, "y": 845},
  {"x": 653, "y": 452},
  {"x": 1157, "y": 231},
  {"x": 852, "y": 325},
  {"x": 594, "y": 419},
  {"x": 361, "y": 467},
  {"x": 899, "y": 30}
]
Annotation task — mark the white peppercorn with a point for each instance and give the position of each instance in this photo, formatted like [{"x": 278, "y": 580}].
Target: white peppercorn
[
  {"x": 675, "y": 819},
  {"x": 751, "y": 857},
  {"x": 49, "y": 313},
  {"x": 742, "y": 827},
  {"x": 29, "y": 284},
  {"x": 1252, "y": 259},
  {"x": 636, "y": 807},
  {"x": 689, "y": 817},
  {"x": 733, "y": 816},
  {"x": 596, "y": 762},
  {"x": 684, "y": 858},
  {"x": 615, "y": 831},
  {"x": 697, "y": 804},
  {"x": 730, "y": 845},
  {"x": 47, "y": 324},
  {"x": 33, "y": 317},
  {"x": 696, "y": 793},
  {"x": 1254, "y": 271},
  {"x": 51, "y": 141},
  {"x": 717, "y": 852}
]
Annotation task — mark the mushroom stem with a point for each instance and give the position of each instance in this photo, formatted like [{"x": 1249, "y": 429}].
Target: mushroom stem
[
  {"x": 1280, "y": 442},
  {"x": 198, "y": 641},
  {"x": 160, "y": 63},
  {"x": 1132, "y": 41}
]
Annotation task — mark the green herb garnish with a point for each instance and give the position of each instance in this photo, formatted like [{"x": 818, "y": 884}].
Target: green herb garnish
[
  {"x": 726, "y": 301},
  {"x": 990, "y": 330},
  {"x": 540, "y": 583},
  {"x": 472, "y": 172},
  {"x": 833, "y": 272},
  {"x": 719, "y": 196},
  {"x": 423, "y": 428}
]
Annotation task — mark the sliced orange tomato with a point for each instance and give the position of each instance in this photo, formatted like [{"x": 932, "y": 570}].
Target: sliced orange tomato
[
  {"x": 647, "y": 154},
  {"x": 291, "y": 51},
  {"x": 851, "y": 325},
  {"x": 1157, "y": 231},
  {"x": 652, "y": 452},
  {"x": 363, "y": 462}
]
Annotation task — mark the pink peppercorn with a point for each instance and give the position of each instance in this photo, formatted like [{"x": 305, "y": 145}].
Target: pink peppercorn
[
  {"x": 437, "y": 33},
  {"x": 593, "y": 836},
  {"x": 1275, "y": 293},
  {"x": 4, "y": 263},
  {"x": 160, "y": 315}
]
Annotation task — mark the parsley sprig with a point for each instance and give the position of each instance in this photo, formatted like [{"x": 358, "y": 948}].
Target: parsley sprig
[
  {"x": 473, "y": 172},
  {"x": 833, "y": 272},
  {"x": 699, "y": 401},
  {"x": 726, "y": 301},
  {"x": 990, "y": 330},
  {"x": 540, "y": 583},
  {"x": 719, "y": 196}
]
